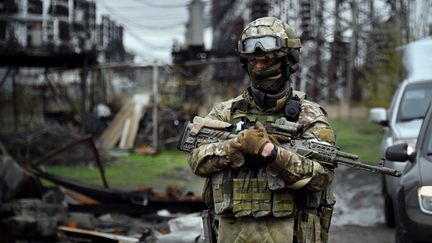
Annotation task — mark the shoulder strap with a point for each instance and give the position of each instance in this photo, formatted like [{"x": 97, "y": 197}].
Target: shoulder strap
[{"x": 241, "y": 104}]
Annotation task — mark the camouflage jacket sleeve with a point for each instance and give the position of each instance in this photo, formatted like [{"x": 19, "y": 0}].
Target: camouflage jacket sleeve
[
  {"x": 298, "y": 171},
  {"x": 207, "y": 159}
]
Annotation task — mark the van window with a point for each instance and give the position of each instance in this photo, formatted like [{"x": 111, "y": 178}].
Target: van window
[{"x": 415, "y": 101}]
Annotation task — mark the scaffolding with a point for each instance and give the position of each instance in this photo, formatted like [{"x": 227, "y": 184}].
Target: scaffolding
[{"x": 339, "y": 37}]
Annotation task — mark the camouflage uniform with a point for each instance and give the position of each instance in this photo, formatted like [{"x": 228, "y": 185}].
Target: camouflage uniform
[
  {"x": 249, "y": 205},
  {"x": 210, "y": 160}
]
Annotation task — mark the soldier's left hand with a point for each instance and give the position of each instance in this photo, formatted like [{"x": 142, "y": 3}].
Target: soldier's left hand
[{"x": 252, "y": 140}]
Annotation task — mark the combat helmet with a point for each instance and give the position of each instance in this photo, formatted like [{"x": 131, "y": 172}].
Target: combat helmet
[{"x": 269, "y": 37}]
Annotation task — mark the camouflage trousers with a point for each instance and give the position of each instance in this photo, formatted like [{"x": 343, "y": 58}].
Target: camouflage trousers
[
  {"x": 255, "y": 230},
  {"x": 271, "y": 230}
]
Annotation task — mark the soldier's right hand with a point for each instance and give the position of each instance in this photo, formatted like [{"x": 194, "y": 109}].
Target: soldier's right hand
[
  {"x": 234, "y": 152},
  {"x": 252, "y": 140}
]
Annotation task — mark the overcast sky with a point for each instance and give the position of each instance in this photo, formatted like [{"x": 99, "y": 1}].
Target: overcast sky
[{"x": 151, "y": 26}]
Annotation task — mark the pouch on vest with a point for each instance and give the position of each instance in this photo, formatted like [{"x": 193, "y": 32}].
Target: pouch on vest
[
  {"x": 222, "y": 192},
  {"x": 309, "y": 228},
  {"x": 330, "y": 199},
  {"x": 275, "y": 182},
  {"x": 242, "y": 193},
  {"x": 261, "y": 195},
  {"x": 283, "y": 204},
  {"x": 327, "y": 212},
  {"x": 207, "y": 194},
  {"x": 326, "y": 217}
]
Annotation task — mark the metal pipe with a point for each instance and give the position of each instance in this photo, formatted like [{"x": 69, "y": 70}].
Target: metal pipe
[
  {"x": 90, "y": 141},
  {"x": 52, "y": 153}
]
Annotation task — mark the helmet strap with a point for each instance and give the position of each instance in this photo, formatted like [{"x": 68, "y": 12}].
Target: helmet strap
[{"x": 291, "y": 65}]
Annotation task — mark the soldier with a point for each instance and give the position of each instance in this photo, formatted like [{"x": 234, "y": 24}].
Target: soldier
[{"x": 241, "y": 172}]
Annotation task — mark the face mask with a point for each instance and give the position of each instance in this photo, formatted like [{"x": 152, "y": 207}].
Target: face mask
[
  {"x": 267, "y": 101},
  {"x": 268, "y": 79}
]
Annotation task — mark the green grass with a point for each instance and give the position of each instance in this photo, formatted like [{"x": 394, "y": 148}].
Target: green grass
[
  {"x": 169, "y": 167},
  {"x": 359, "y": 137}
]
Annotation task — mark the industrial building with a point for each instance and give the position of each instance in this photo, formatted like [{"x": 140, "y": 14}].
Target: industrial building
[{"x": 56, "y": 33}]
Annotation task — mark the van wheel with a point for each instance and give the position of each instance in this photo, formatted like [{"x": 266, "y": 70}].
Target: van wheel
[{"x": 389, "y": 212}]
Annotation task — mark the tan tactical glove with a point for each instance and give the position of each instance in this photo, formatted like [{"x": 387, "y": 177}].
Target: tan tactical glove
[
  {"x": 234, "y": 153},
  {"x": 252, "y": 140}
]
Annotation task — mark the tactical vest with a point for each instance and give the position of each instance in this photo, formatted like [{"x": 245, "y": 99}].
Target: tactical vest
[
  {"x": 246, "y": 193},
  {"x": 251, "y": 191}
]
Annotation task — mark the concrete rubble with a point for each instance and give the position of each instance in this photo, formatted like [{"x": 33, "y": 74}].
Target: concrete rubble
[{"x": 183, "y": 229}]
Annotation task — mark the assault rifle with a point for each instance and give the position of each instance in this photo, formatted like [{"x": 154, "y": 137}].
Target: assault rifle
[{"x": 204, "y": 130}]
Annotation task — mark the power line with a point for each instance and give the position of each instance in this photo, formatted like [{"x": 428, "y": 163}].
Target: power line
[
  {"x": 147, "y": 43},
  {"x": 161, "y": 32},
  {"x": 161, "y": 6},
  {"x": 139, "y": 25},
  {"x": 132, "y": 33}
]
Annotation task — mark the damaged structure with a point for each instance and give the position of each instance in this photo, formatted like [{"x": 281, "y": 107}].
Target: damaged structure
[
  {"x": 70, "y": 210},
  {"x": 57, "y": 33},
  {"x": 62, "y": 79}
]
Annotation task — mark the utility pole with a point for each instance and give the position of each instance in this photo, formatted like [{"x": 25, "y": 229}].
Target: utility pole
[
  {"x": 319, "y": 51},
  {"x": 352, "y": 55},
  {"x": 333, "y": 71},
  {"x": 83, "y": 87},
  {"x": 155, "y": 105}
]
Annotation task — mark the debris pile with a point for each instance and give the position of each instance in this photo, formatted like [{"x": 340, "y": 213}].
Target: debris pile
[
  {"x": 31, "y": 218},
  {"x": 71, "y": 211},
  {"x": 132, "y": 127},
  {"x": 33, "y": 144}
]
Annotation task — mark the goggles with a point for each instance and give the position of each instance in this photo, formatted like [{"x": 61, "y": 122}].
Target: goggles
[{"x": 266, "y": 43}]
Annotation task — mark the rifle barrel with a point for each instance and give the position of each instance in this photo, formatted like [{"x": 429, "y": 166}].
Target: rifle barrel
[
  {"x": 347, "y": 155},
  {"x": 373, "y": 168}
]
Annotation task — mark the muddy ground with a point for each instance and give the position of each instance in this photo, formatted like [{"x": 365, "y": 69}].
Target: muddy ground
[{"x": 358, "y": 215}]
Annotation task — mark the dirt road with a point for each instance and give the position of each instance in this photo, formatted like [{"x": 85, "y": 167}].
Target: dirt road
[{"x": 358, "y": 215}]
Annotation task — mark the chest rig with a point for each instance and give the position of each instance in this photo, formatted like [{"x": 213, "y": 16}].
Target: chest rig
[
  {"x": 244, "y": 116},
  {"x": 251, "y": 191}
]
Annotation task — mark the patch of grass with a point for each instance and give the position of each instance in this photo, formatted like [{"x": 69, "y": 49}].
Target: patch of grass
[
  {"x": 134, "y": 171},
  {"x": 359, "y": 137}
]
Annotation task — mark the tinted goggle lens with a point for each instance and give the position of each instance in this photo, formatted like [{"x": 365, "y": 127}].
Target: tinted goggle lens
[{"x": 266, "y": 43}]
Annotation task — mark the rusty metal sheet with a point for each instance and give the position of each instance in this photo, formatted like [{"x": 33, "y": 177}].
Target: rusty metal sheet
[{"x": 120, "y": 201}]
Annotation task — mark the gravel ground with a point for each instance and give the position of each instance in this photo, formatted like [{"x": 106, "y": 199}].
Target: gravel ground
[
  {"x": 358, "y": 215},
  {"x": 361, "y": 234}
]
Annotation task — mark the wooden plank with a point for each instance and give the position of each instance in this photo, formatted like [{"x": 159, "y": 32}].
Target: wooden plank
[
  {"x": 125, "y": 133},
  {"x": 141, "y": 103},
  {"x": 112, "y": 134}
]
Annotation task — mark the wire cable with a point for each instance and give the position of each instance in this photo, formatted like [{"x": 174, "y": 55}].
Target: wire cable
[
  {"x": 161, "y": 6},
  {"x": 128, "y": 21}
]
